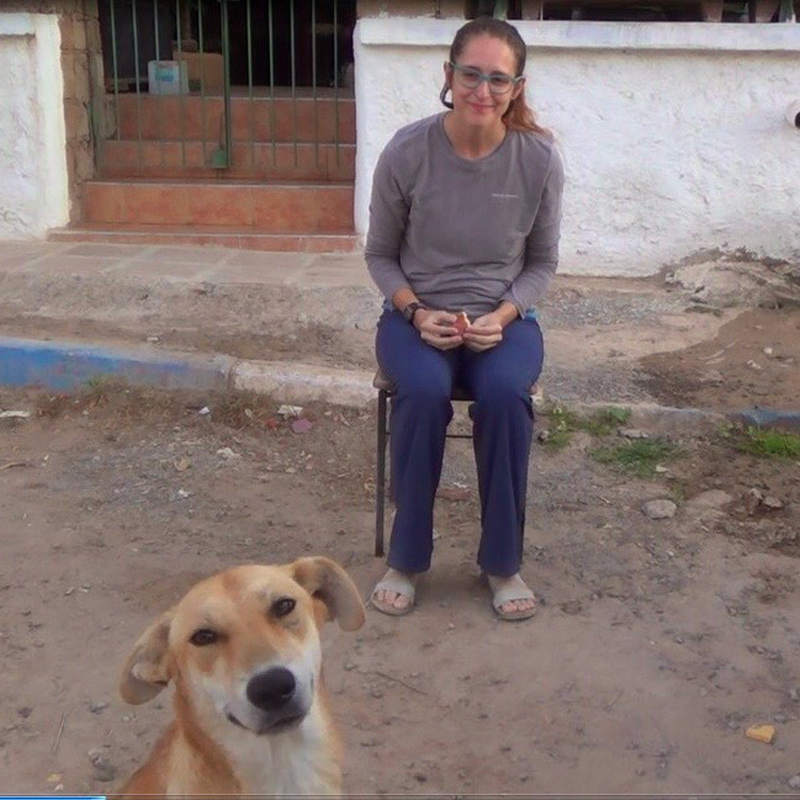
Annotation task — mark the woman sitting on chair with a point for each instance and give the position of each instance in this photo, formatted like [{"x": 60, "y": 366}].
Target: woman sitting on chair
[{"x": 465, "y": 216}]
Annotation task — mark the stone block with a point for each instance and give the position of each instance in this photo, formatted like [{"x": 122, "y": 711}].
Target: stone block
[
  {"x": 79, "y": 33},
  {"x": 68, "y": 69},
  {"x": 76, "y": 117},
  {"x": 66, "y": 26},
  {"x": 80, "y": 71},
  {"x": 84, "y": 168}
]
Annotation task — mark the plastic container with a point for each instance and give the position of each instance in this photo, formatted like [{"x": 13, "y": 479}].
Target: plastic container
[{"x": 167, "y": 77}]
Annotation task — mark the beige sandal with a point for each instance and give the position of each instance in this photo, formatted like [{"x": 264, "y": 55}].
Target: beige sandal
[
  {"x": 505, "y": 590},
  {"x": 396, "y": 583}
]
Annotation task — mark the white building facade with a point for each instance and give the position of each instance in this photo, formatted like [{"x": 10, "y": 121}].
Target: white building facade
[
  {"x": 33, "y": 161},
  {"x": 677, "y": 137}
]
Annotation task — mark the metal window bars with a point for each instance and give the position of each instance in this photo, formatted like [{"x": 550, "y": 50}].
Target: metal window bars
[{"x": 249, "y": 88}]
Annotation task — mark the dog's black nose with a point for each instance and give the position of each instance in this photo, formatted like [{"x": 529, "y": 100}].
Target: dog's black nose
[{"x": 271, "y": 689}]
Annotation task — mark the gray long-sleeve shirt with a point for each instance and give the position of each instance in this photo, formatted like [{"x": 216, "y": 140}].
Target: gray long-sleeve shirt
[{"x": 465, "y": 234}]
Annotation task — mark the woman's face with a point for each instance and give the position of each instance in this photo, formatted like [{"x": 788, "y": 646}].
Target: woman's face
[{"x": 480, "y": 106}]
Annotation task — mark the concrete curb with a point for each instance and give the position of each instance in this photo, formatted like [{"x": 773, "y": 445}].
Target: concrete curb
[
  {"x": 63, "y": 366},
  {"x": 668, "y": 419},
  {"x": 304, "y": 382},
  {"x": 673, "y": 419}
]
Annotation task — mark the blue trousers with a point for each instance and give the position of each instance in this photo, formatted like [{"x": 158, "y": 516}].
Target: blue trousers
[{"x": 499, "y": 379}]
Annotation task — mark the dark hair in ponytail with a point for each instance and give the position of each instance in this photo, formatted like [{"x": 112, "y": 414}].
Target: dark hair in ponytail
[{"x": 519, "y": 116}]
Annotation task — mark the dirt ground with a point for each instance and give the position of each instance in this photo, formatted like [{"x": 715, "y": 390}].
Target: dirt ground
[
  {"x": 695, "y": 336},
  {"x": 753, "y": 361},
  {"x": 658, "y": 643}
]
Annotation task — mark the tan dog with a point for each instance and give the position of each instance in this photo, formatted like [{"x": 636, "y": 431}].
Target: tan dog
[{"x": 243, "y": 651}]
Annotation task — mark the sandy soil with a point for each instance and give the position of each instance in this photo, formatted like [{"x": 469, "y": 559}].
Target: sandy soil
[
  {"x": 753, "y": 361},
  {"x": 659, "y": 641}
]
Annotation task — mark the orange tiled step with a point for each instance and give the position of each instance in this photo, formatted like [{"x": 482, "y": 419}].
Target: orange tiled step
[
  {"x": 202, "y": 236},
  {"x": 283, "y": 208},
  {"x": 191, "y": 159},
  {"x": 187, "y": 117}
]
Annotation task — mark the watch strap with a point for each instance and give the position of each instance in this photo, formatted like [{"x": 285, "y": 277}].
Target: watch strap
[{"x": 410, "y": 310}]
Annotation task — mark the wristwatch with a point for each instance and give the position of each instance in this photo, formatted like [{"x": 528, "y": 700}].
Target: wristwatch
[{"x": 410, "y": 310}]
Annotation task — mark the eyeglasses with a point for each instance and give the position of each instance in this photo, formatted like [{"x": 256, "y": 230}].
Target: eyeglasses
[{"x": 498, "y": 82}]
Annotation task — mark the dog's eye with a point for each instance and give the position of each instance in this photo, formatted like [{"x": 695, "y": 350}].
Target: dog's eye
[
  {"x": 284, "y": 606},
  {"x": 203, "y": 637}
]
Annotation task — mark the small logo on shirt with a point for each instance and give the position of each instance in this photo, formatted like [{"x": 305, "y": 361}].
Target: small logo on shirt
[{"x": 505, "y": 196}]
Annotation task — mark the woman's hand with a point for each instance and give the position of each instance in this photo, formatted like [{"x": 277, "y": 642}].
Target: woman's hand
[
  {"x": 436, "y": 328},
  {"x": 485, "y": 332}
]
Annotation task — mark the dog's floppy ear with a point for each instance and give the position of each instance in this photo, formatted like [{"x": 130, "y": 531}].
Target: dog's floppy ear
[
  {"x": 147, "y": 671},
  {"x": 325, "y": 579}
]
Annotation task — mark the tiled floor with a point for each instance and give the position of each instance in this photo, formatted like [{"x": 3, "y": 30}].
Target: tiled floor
[{"x": 220, "y": 265}]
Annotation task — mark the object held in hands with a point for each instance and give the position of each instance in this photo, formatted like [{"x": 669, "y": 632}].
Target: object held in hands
[{"x": 462, "y": 323}]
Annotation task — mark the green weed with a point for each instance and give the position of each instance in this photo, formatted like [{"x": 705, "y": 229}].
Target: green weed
[
  {"x": 639, "y": 457},
  {"x": 565, "y": 422},
  {"x": 768, "y": 443}
]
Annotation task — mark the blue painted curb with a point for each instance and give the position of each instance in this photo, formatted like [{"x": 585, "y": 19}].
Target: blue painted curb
[
  {"x": 62, "y": 366},
  {"x": 768, "y": 418}
]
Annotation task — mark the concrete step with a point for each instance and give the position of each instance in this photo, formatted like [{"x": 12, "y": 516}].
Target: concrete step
[
  {"x": 187, "y": 117},
  {"x": 207, "y": 236},
  {"x": 247, "y": 207},
  {"x": 191, "y": 159}
]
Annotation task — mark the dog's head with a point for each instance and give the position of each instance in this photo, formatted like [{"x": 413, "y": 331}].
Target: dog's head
[{"x": 243, "y": 646}]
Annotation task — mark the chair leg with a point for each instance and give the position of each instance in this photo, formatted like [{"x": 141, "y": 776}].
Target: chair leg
[
  {"x": 380, "y": 477},
  {"x": 389, "y": 483}
]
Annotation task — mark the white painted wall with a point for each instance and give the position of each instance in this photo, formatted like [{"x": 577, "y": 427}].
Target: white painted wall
[
  {"x": 34, "y": 193},
  {"x": 674, "y": 135}
]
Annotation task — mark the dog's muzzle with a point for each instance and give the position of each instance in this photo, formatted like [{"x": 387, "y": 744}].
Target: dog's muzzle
[{"x": 277, "y": 700}]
